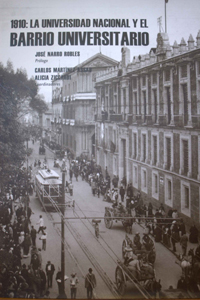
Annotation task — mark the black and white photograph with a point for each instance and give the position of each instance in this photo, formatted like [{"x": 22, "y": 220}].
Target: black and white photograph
[{"x": 100, "y": 149}]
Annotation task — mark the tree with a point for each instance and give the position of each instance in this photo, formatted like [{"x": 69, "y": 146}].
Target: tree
[{"x": 18, "y": 94}]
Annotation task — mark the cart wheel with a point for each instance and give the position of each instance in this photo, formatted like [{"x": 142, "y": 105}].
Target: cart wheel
[
  {"x": 108, "y": 222},
  {"x": 123, "y": 249},
  {"x": 120, "y": 280}
]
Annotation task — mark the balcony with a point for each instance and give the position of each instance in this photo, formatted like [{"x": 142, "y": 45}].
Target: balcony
[
  {"x": 162, "y": 120},
  {"x": 116, "y": 118},
  {"x": 139, "y": 119},
  {"x": 196, "y": 121},
  {"x": 178, "y": 120},
  {"x": 149, "y": 120}
]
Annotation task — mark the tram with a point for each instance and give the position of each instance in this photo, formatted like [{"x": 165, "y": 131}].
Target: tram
[{"x": 48, "y": 187}]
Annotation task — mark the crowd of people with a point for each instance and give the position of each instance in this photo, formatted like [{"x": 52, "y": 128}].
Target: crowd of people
[
  {"x": 166, "y": 226},
  {"x": 18, "y": 242}
]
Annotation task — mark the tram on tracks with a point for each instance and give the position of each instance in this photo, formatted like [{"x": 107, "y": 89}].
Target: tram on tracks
[{"x": 48, "y": 187}]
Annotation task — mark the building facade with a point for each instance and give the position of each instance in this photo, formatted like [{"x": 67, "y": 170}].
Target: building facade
[
  {"x": 74, "y": 105},
  {"x": 148, "y": 124}
]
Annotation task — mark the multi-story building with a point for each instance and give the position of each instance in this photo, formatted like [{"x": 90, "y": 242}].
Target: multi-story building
[
  {"x": 75, "y": 102},
  {"x": 148, "y": 123},
  {"x": 57, "y": 111}
]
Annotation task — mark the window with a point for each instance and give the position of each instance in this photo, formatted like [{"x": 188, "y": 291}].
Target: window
[
  {"x": 134, "y": 145},
  {"x": 155, "y": 105},
  {"x": 155, "y": 185},
  {"x": 168, "y": 153},
  {"x": 144, "y": 180},
  {"x": 114, "y": 165},
  {"x": 135, "y": 101},
  {"x": 185, "y": 198},
  {"x": 185, "y": 103},
  {"x": 168, "y": 191},
  {"x": 155, "y": 152},
  {"x": 168, "y": 96},
  {"x": 184, "y": 71},
  {"x": 167, "y": 75},
  {"x": 114, "y": 136},
  {"x": 135, "y": 176},
  {"x": 154, "y": 78},
  {"x": 134, "y": 83},
  {"x": 145, "y": 104},
  {"x": 144, "y": 146},
  {"x": 84, "y": 140},
  {"x": 124, "y": 102},
  {"x": 185, "y": 157},
  {"x": 144, "y": 81}
]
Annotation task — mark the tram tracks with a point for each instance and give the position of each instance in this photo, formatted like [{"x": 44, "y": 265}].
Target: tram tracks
[{"x": 78, "y": 238}]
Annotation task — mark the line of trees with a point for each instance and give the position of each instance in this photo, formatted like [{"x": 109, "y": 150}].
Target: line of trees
[{"x": 18, "y": 95}]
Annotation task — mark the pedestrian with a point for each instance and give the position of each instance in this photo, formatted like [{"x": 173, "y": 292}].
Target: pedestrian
[
  {"x": 184, "y": 243},
  {"x": 26, "y": 245},
  {"x": 40, "y": 256},
  {"x": 93, "y": 186},
  {"x": 150, "y": 210},
  {"x": 33, "y": 235},
  {"x": 182, "y": 227},
  {"x": 58, "y": 279},
  {"x": 43, "y": 281},
  {"x": 182, "y": 285},
  {"x": 50, "y": 269},
  {"x": 44, "y": 240},
  {"x": 29, "y": 213},
  {"x": 174, "y": 235},
  {"x": 71, "y": 188},
  {"x": 193, "y": 237},
  {"x": 158, "y": 233},
  {"x": 122, "y": 193},
  {"x": 90, "y": 283},
  {"x": 73, "y": 285},
  {"x": 41, "y": 224},
  {"x": 175, "y": 214},
  {"x": 70, "y": 174}
]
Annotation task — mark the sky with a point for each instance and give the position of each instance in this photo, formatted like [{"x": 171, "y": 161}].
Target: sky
[{"x": 182, "y": 20}]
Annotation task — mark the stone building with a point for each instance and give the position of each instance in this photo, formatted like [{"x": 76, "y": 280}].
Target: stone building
[
  {"x": 148, "y": 123},
  {"x": 74, "y": 105}
]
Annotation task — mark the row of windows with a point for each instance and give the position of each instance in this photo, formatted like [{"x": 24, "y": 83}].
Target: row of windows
[
  {"x": 168, "y": 187},
  {"x": 185, "y": 151},
  {"x": 153, "y": 103}
]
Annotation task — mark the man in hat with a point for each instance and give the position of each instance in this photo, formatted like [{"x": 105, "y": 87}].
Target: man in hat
[
  {"x": 90, "y": 283},
  {"x": 73, "y": 285},
  {"x": 50, "y": 269}
]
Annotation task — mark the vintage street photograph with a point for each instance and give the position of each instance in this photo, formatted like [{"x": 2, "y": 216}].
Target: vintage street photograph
[{"x": 100, "y": 149}]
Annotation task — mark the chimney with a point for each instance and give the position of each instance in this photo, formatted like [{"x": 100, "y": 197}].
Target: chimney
[
  {"x": 175, "y": 48},
  {"x": 190, "y": 43},
  {"x": 198, "y": 39}
]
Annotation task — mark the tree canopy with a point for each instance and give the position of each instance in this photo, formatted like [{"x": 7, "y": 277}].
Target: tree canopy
[{"x": 15, "y": 90}]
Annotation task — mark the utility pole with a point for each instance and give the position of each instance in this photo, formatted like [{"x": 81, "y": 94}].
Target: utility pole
[{"x": 62, "y": 292}]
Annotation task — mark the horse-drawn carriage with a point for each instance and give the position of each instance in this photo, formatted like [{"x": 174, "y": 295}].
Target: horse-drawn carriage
[
  {"x": 119, "y": 213},
  {"x": 147, "y": 250},
  {"x": 126, "y": 272}
]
